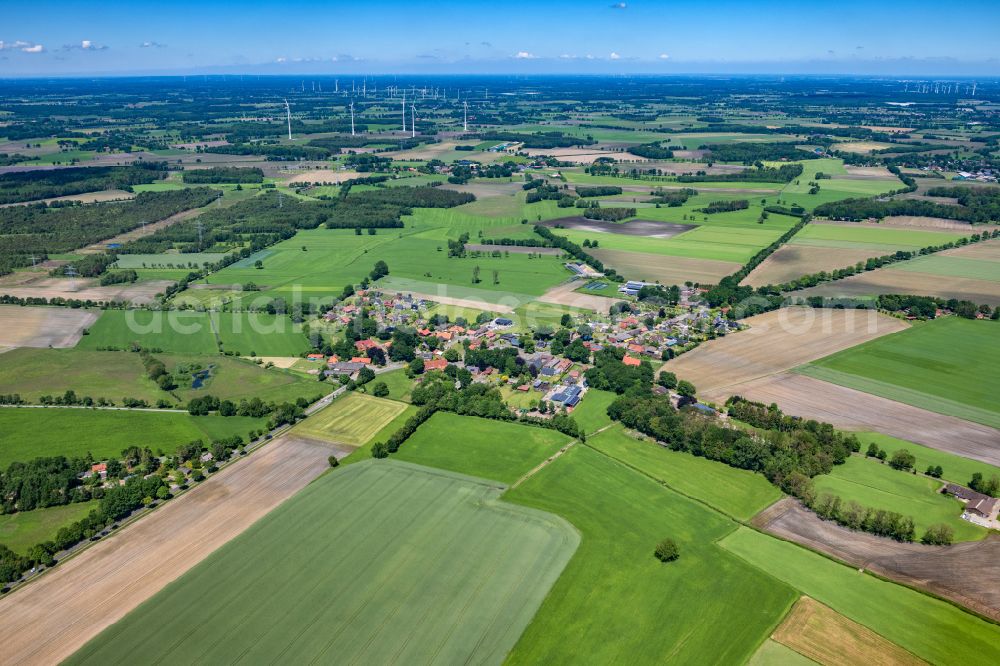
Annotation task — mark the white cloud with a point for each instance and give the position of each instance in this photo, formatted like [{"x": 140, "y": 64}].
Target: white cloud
[
  {"x": 21, "y": 45},
  {"x": 614, "y": 56},
  {"x": 619, "y": 5},
  {"x": 282, "y": 59},
  {"x": 524, "y": 55},
  {"x": 663, "y": 56},
  {"x": 85, "y": 45},
  {"x": 152, "y": 45}
]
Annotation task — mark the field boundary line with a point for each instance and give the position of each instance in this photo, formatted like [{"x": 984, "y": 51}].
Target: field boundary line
[{"x": 542, "y": 465}]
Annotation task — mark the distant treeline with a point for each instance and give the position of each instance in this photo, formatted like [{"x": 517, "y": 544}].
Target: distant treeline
[
  {"x": 38, "y": 230},
  {"x": 752, "y": 152},
  {"x": 224, "y": 175},
  {"x": 977, "y": 205},
  {"x": 598, "y": 191},
  {"x": 30, "y": 185},
  {"x": 609, "y": 214},
  {"x": 725, "y": 206},
  {"x": 653, "y": 151},
  {"x": 786, "y": 173}
]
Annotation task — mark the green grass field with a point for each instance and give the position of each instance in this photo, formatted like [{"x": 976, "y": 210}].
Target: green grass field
[
  {"x": 866, "y": 236},
  {"x": 398, "y": 383},
  {"x": 172, "y": 331},
  {"x": 736, "y": 492},
  {"x": 113, "y": 375},
  {"x": 592, "y": 412},
  {"x": 931, "y": 629},
  {"x": 374, "y": 563},
  {"x": 948, "y": 365},
  {"x": 260, "y": 334},
  {"x": 20, "y": 531},
  {"x": 480, "y": 447},
  {"x": 951, "y": 266},
  {"x": 616, "y": 603},
  {"x": 351, "y": 419},
  {"x": 873, "y": 484},
  {"x": 30, "y": 433},
  {"x": 956, "y": 468},
  {"x": 773, "y": 653}
]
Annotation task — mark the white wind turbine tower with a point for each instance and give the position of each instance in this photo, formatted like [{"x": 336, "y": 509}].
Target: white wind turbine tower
[
  {"x": 413, "y": 121},
  {"x": 288, "y": 115},
  {"x": 404, "y": 112},
  {"x": 352, "y": 117},
  {"x": 465, "y": 119}
]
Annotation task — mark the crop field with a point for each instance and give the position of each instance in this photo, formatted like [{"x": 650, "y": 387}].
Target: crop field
[
  {"x": 953, "y": 572},
  {"x": 927, "y": 366},
  {"x": 54, "y": 616},
  {"x": 30, "y": 433},
  {"x": 827, "y": 637},
  {"x": 829, "y": 246},
  {"x": 934, "y": 630},
  {"x": 871, "y": 483},
  {"x": 965, "y": 273},
  {"x": 181, "y": 261},
  {"x": 480, "y": 447},
  {"x": 171, "y": 331},
  {"x": 776, "y": 341},
  {"x": 352, "y": 419},
  {"x": 666, "y": 269},
  {"x": 616, "y": 602},
  {"x": 773, "y": 653},
  {"x": 495, "y": 562},
  {"x": 259, "y": 334},
  {"x": 22, "y": 530},
  {"x": 850, "y": 409},
  {"x": 398, "y": 383},
  {"x": 41, "y": 326},
  {"x": 736, "y": 492}
]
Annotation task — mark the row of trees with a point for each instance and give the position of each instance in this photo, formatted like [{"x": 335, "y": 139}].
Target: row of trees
[{"x": 31, "y": 185}]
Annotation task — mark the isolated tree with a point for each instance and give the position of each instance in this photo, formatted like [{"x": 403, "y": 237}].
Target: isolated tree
[
  {"x": 380, "y": 390},
  {"x": 475, "y": 275},
  {"x": 380, "y": 450},
  {"x": 938, "y": 535},
  {"x": 902, "y": 460},
  {"x": 333, "y": 461},
  {"x": 686, "y": 389},
  {"x": 667, "y": 551}
]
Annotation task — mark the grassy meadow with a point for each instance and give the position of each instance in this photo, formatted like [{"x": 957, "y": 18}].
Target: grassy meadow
[
  {"x": 352, "y": 419},
  {"x": 31, "y": 433},
  {"x": 374, "y": 563},
  {"x": 22, "y": 530},
  {"x": 871, "y": 483}
]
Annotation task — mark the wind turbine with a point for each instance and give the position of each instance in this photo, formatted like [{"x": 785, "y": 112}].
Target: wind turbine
[
  {"x": 404, "y": 112},
  {"x": 352, "y": 118},
  {"x": 465, "y": 120},
  {"x": 288, "y": 113},
  {"x": 413, "y": 121}
]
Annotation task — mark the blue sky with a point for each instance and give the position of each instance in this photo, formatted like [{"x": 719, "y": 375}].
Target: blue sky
[{"x": 181, "y": 36}]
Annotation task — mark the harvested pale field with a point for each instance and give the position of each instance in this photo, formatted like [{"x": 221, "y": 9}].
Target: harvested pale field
[
  {"x": 966, "y": 573},
  {"x": 565, "y": 294},
  {"x": 473, "y": 303},
  {"x": 888, "y": 129},
  {"x": 777, "y": 341},
  {"x": 896, "y": 281},
  {"x": 793, "y": 261},
  {"x": 323, "y": 176},
  {"x": 518, "y": 249},
  {"x": 861, "y": 146},
  {"x": 575, "y": 155},
  {"x": 701, "y": 187},
  {"x": 666, "y": 269},
  {"x": 283, "y": 362},
  {"x": 486, "y": 190},
  {"x": 48, "y": 620},
  {"x": 42, "y": 327},
  {"x": 86, "y": 197},
  {"x": 139, "y": 232},
  {"x": 88, "y": 289},
  {"x": 200, "y": 144},
  {"x": 426, "y": 151},
  {"x": 854, "y": 410},
  {"x": 921, "y": 222},
  {"x": 828, "y": 638},
  {"x": 988, "y": 251},
  {"x": 871, "y": 172}
]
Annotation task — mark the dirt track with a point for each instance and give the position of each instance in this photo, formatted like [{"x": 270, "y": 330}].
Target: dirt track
[
  {"x": 967, "y": 573},
  {"x": 53, "y": 617},
  {"x": 854, "y": 410},
  {"x": 777, "y": 341}
]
